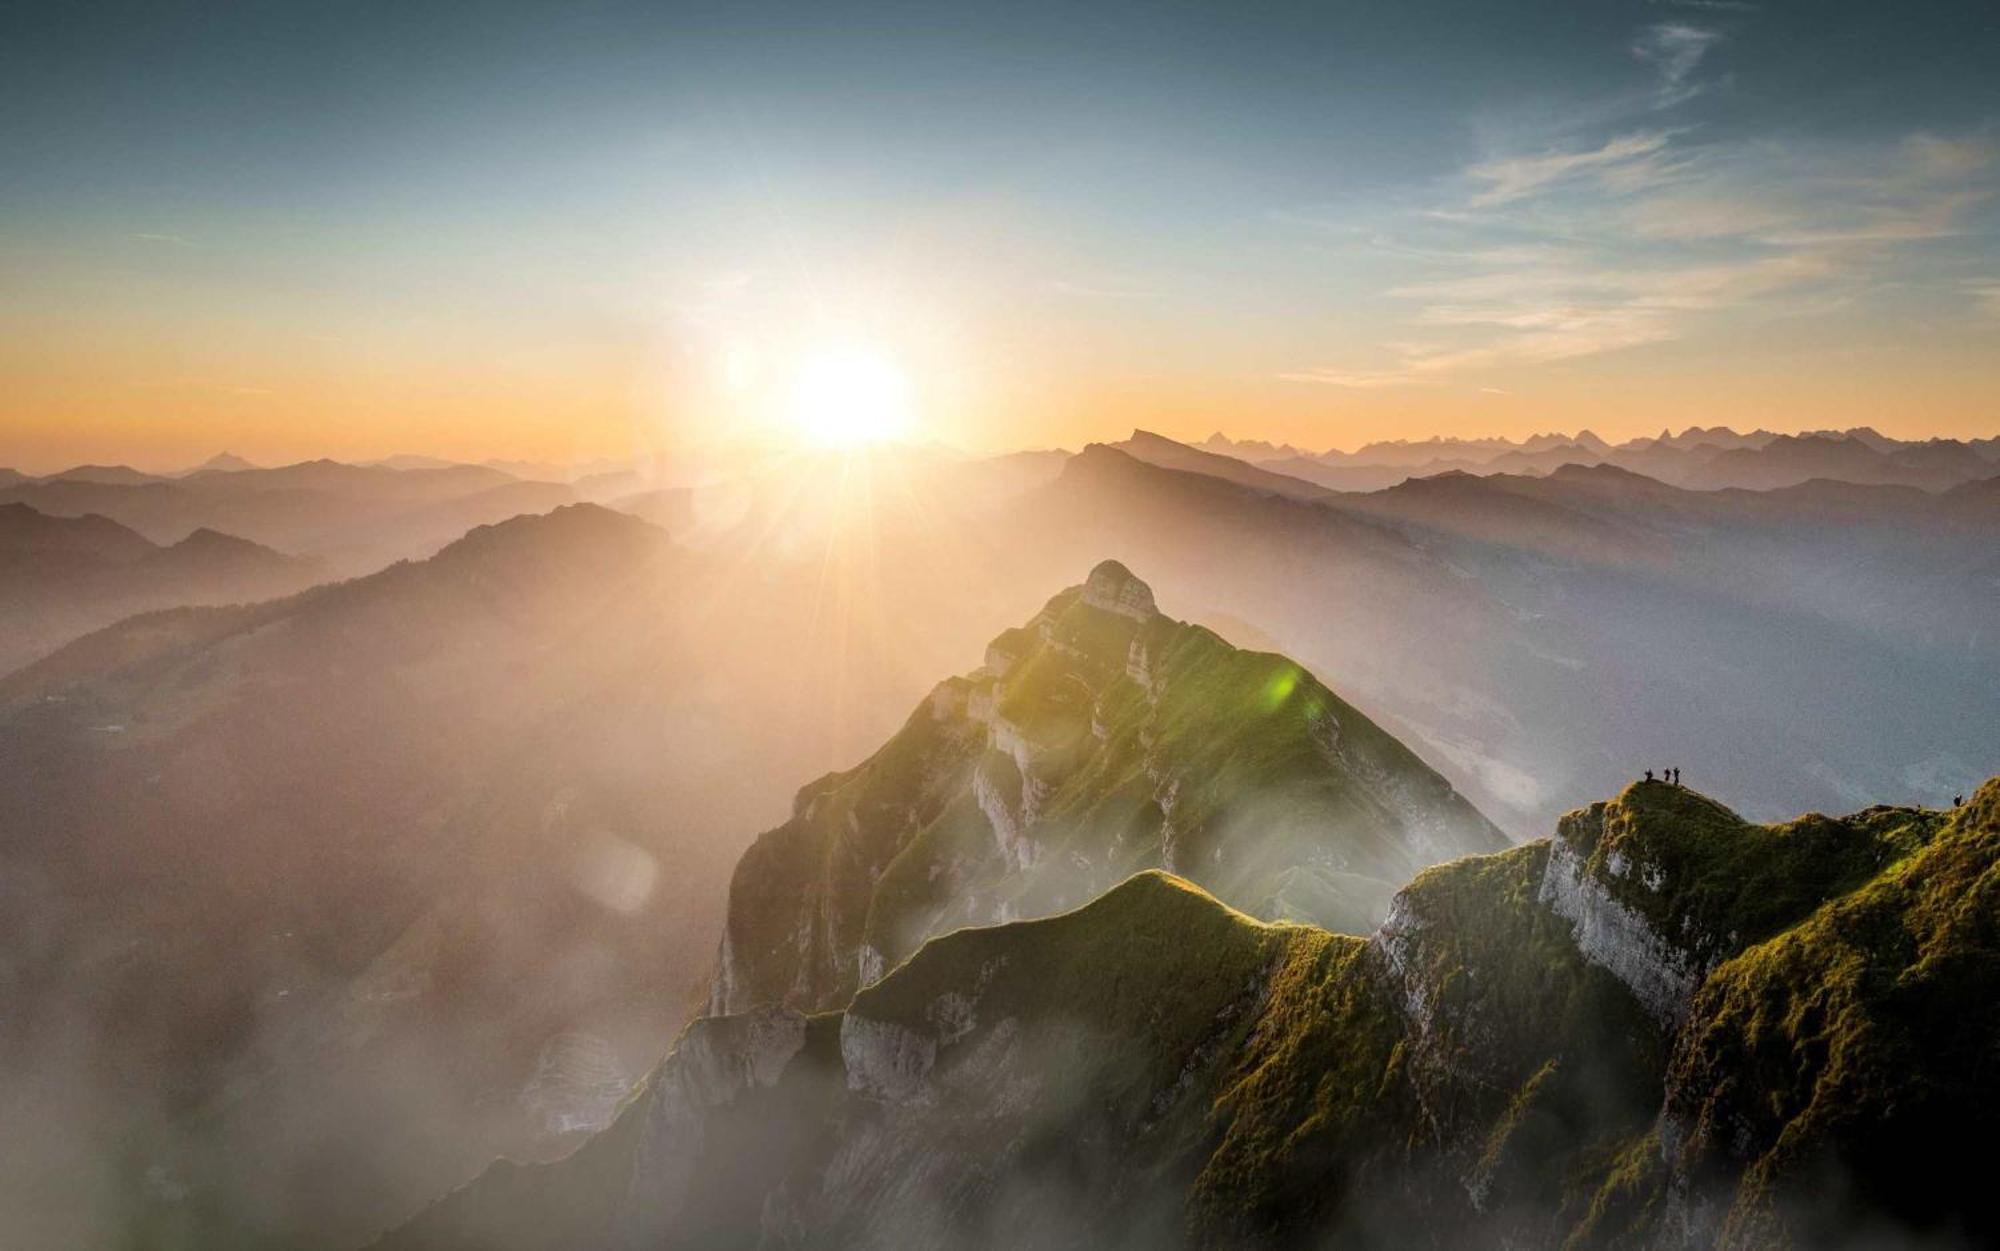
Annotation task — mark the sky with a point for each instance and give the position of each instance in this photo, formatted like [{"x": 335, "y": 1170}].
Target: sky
[{"x": 588, "y": 229}]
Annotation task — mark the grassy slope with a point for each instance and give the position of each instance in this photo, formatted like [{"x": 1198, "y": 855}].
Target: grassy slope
[
  {"x": 1236, "y": 769},
  {"x": 1849, "y": 1055},
  {"x": 1724, "y": 883},
  {"x": 1466, "y": 1078}
]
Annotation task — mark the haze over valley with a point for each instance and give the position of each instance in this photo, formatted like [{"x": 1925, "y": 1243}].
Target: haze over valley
[{"x": 634, "y": 627}]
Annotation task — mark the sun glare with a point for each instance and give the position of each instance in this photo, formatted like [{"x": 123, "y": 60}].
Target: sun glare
[{"x": 847, "y": 396}]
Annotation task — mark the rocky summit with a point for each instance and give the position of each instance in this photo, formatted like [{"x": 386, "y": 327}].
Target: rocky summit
[{"x": 1100, "y": 739}]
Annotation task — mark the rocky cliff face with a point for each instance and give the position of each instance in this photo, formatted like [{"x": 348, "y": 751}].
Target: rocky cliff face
[
  {"x": 1507, "y": 1062},
  {"x": 1098, "y": 740}
]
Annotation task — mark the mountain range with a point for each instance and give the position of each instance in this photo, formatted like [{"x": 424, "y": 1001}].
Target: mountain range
[
  {"x": 316, "y": 904},
  {"x": 63, "y": 577},
  {"x": 1660, "y": 1027},
  {"x": 1838, "y": 637},
  {"x": 1697, "y": 458},
  {"x": 354, "y": 519},
  {"x": 334, "y": 896}
]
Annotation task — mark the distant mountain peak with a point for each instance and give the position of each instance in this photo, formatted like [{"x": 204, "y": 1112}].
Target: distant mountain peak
[
  {"x": 104, "y": 475},
  {"x": 223, "y": 462},
  {"x": 207, "y": 537},
  {"x": 1599, "y": 472},
  {"x": 568, "y": 520}
]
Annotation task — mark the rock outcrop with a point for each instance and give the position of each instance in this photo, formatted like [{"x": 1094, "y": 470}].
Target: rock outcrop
[
  {"x": 1100, "y": 739},
  {"x": 1156, "y": 1069}
]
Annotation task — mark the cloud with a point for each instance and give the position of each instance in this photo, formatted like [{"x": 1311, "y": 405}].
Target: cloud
[
  {"x": 1361, "y": 380},
  {"x": 1558, "y": 257},
  {"x": 1920, "y": 188},
  {"x": 1675, "y": 50},
  {"x": 1512, "y": 178},
  {"x": 1614, "y": 233}
]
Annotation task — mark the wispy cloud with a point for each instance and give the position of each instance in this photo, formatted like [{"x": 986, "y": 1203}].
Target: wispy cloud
[
  {"x": 1920, "y": 188},
  {"x": 1362, "y": 380},
  {"x": 1605, "y": 263},
  {"x": 1627, "y": 232},
  {"x": 1511, "y": 178},
  {"x": 1675, "y": 50}
]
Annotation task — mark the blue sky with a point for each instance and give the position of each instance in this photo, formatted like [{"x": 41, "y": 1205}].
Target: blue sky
[{"x": 550, "y": 227}]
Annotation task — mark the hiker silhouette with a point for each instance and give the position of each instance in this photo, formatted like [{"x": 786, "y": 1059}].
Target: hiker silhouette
[{"x": 1649, "y": 775}]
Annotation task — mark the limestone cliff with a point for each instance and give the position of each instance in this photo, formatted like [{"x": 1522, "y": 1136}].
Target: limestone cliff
[
  {"x": 1784, "y": 1038},
  {"x": 1100, "y": 739}
]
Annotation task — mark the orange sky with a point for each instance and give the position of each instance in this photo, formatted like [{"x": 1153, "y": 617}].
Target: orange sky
[
  {"x": 163, "y": 401},
  {"x": 565, "y": 232}
]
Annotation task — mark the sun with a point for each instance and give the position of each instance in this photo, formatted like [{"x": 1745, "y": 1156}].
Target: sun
[{"x": 849, "y": 395}]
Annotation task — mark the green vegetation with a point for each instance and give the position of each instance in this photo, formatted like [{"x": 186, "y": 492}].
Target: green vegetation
[
  {"x": 1156, "y": 1068},
  {"x": 1101, "y": 964},
  {"x": 1698, "y": 871},
  {"x": 1320, "y": 1081},
  {"x": 1099, "y": 744},
  {"x": 1851, "y": 1054}
]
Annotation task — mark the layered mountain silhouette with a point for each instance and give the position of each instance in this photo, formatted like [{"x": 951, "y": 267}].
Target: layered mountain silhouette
[
  {"x": 1662, "y": 1027},
  {"x": 62, "y": 577},
  {"x": 1100, "y": 738},
  {"x": 353, "y": 889},
  {"x": 1155, "y": 450},
  {"x": 1697, "y": 458},
  {"x": 315, "y": 904},
  {"x": 1506, "y": 626},
  {"x": 356, "y": 519}
]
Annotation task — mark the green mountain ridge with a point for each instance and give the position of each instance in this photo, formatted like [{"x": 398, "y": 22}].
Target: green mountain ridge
[
  {"x": 1156, "y": 1069},
  {"x": 1100, "y": 739}
]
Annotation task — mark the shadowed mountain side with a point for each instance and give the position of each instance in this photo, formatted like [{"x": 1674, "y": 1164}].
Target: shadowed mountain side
[
  {"x": 1512, "y": 655},
  {"x": 357, "y": 518},
  {"x": 358, "y": 887},
  {"x": 291, "y": 866},
  {"x": 1346, "y": 477},
  {"x": 1485, "y": 512},
  {"x": 62, "y": 577},
  {"x": 1911, "y": 568},
  {"x": 1100, "y": 738},
  {"x": 1155, "y": 450},
  {"x": 107, "y": 475},
  {"x": 1662, "y": 1028},
  {"x": 1704, "y": 459}
]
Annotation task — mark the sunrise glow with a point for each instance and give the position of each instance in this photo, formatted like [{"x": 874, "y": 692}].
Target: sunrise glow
[{"x": 847, "y": 396}]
